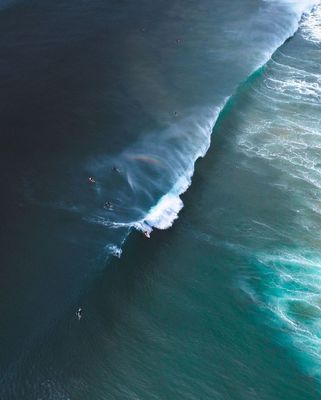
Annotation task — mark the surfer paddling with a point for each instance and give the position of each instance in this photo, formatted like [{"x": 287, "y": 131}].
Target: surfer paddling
[
  {"x": 91, "y": 180},
  {"x": 108, "y": 205}
]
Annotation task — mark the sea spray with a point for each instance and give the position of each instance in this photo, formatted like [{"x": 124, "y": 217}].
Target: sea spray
[{"x": 158, "y": 163}]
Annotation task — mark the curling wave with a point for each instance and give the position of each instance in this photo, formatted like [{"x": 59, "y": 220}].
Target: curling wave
[
  {"x": 140, "y": 188},
  {"x": 169, "y": 159}
]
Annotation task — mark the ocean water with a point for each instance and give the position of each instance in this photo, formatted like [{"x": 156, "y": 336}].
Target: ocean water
[{"x": 199, "y": 121}]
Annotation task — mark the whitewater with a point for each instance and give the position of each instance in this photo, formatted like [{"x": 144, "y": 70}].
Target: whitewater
[
  {"x": 175, "y": 151},
  {"x": 289, "y": 140},
  {"x": 108, "y": 115}
]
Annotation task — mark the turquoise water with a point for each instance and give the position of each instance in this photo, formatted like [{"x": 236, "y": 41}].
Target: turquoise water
[
  {"x": 289, "y": 142},
  {"x": 222, "y": 302}
]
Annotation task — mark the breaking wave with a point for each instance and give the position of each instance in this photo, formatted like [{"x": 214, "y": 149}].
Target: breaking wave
[{"x": 168, "y": 159}]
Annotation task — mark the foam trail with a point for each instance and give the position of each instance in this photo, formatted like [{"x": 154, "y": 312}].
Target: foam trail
[
  {"x": 165, "y": 212},
  {"x": 114, "y": 250}
]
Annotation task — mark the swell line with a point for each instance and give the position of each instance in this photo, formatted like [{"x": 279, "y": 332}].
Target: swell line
[{"x": 165, "y": 212}]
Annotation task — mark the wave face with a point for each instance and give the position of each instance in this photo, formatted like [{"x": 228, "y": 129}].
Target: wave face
[
  {"x": 285, "y": 133},
  {"x": 162, "y": 162},
  {"x": 140, "y": 186},
  {"x": 130, "y": 103},
  {"x": 158, "y": 168}
]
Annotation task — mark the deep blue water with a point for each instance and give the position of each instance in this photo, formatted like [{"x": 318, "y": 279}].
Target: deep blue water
[{"x": 222, "y": 302}]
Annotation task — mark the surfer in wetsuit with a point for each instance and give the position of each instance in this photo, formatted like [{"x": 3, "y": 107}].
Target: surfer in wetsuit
[
  {"x": 108, "y": 205},
  {"x": 115, "y": 169},
  {"x": 79, "y": 313},
  {"x": 91, "y": 180}
]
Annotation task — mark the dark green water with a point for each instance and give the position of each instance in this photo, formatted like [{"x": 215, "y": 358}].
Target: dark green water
[{"x": 225, "y": 303}]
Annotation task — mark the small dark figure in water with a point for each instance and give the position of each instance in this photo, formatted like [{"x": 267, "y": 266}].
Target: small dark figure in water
[
  {"x": 91, "y": 180},
  {"x": 178, "y": 41},
  {"x": 115, "y": 169},
  {"x": 147, "y": 234},
  {"x": 175, "y": 113},
  {"x": 108, "y": 205},
  {"x": 79, "y": 313}
]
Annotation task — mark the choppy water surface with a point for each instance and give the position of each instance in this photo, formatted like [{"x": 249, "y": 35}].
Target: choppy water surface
[{"x": 224, "y": 304}]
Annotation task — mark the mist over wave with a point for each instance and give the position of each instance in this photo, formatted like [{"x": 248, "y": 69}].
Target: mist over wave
[
  {"x": 105, "y": 109},
  {"x": 155, "y": 172},
  {"x": 159, "y": 167}
]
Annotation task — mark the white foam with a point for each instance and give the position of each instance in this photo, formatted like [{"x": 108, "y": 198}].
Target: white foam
[
  {"x": 114, "y": 250},
  {"x": 181, "y": 160},
  {"x": 311, "y": 26},
  {"x": 160, "y": 216},
  {"x": 298, "y": 6},
  {"x": 298, "y": 86},
  {"x": 173, "y": 153},
  {"x": 165, "y": 212},
  {"x": 293, "y": 289}
]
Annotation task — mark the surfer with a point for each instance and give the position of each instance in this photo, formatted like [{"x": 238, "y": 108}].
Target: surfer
[
  {"x": 115, "y": 169},
  {"x": 79, "y": 313},
  {"x": 108, "y": 205},
  {"x": 91, "y": 180},
  {"x": 147, "y": 234}
]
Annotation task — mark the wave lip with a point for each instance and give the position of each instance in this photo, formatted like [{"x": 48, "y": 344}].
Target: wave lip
[
  {"x": 162, "y": 215},
  {"x": 165, "y": 212}
]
